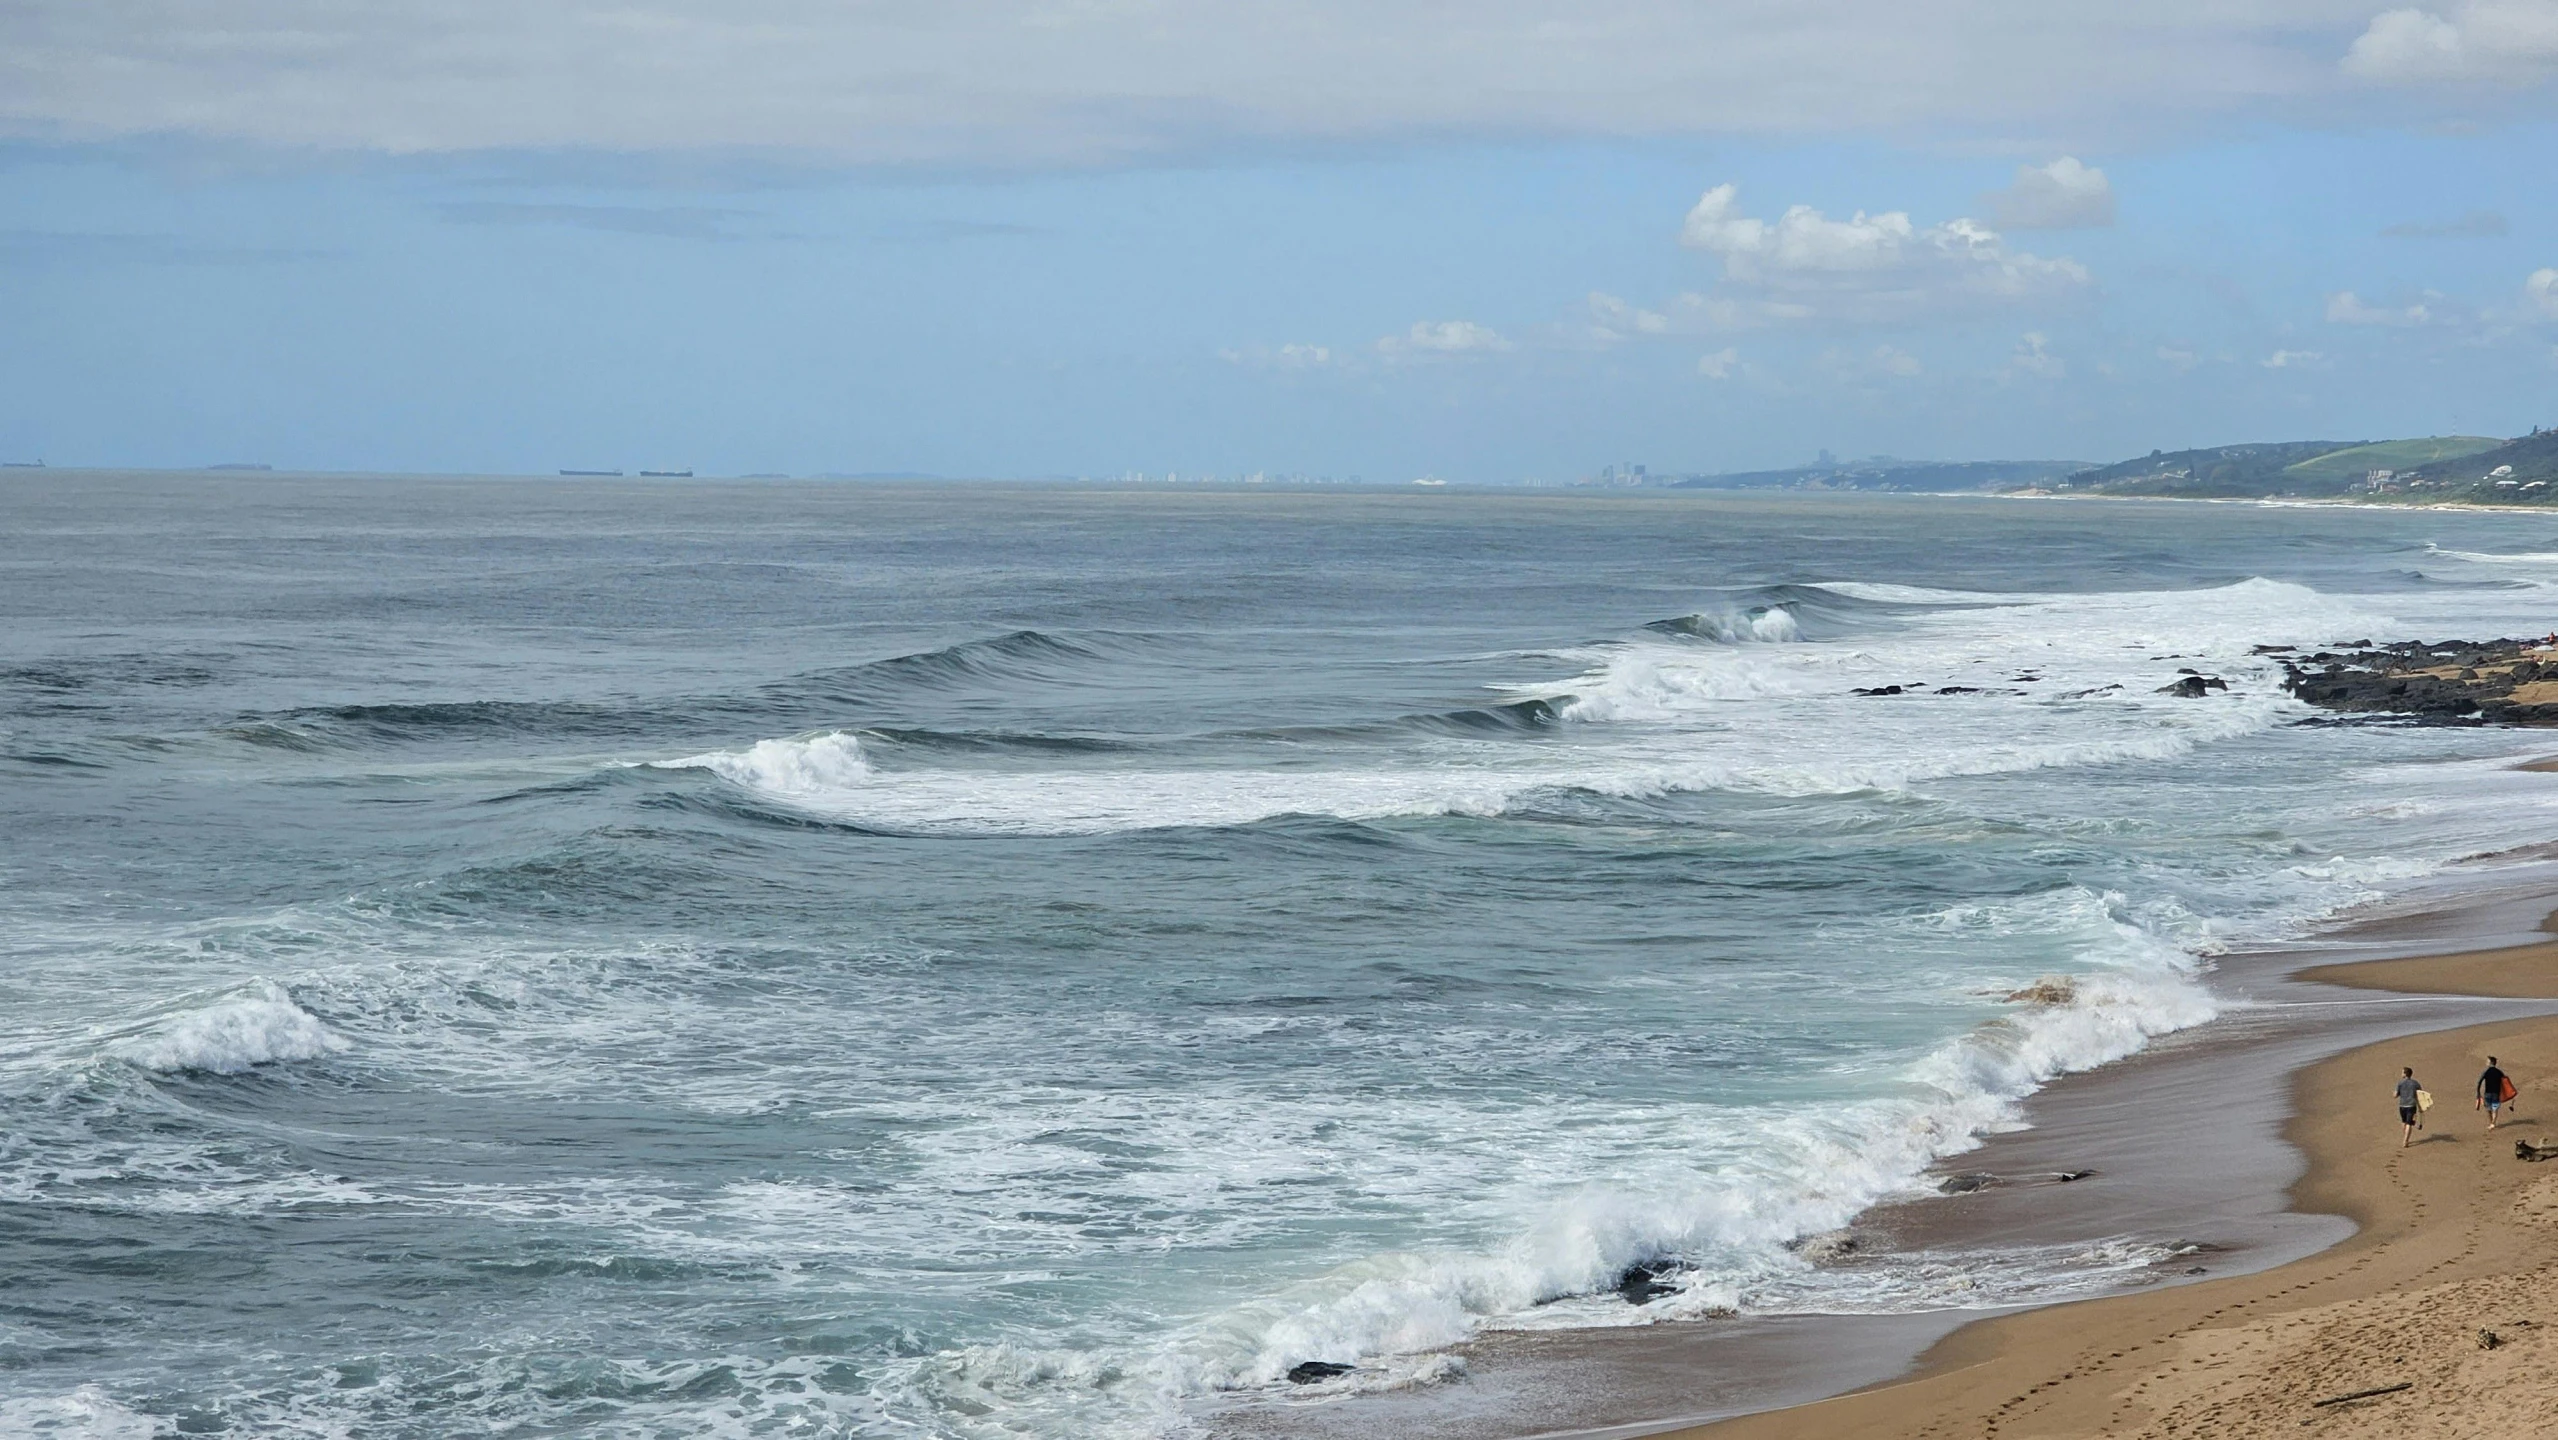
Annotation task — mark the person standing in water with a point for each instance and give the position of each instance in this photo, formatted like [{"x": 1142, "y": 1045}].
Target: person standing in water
[
  {"x": 2494, "y": 1089},
  {"x": 2407, "y": 1088}
]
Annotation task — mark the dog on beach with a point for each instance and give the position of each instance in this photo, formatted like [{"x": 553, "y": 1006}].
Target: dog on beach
[{"x": 2525, "y": 1150}]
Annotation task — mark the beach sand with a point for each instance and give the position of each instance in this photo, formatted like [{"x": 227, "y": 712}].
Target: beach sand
[{"x": 2457, "y": 1240}]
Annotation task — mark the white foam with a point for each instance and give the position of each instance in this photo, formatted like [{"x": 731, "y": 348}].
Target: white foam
[
  {"x": 1656, "y": 716},
  {"x": 259, "y": 1027},
  {"x": 813, "y": 767},
  {"x": 1795, "y": 1172},
  {"x": 2487, "y": 557},
  {"x": 85, "y": 1413}
]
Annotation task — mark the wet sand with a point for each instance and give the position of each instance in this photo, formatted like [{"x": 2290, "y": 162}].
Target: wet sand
[
  {"x": 2185, "y": 1141},
  {"x": 2445, "y": 1288}
]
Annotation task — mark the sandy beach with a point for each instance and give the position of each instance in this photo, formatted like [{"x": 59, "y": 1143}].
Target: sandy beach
[{"x": 2444, "y": 1291}]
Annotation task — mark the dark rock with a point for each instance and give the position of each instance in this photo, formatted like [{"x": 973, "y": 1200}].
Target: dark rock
[
  {"x": 1309, "y": 1371},
  {"x": 1642, "y": 1281},
  {"x": 1877, "y": 690},
  {"x": 1958, "y": 690},
  {"x": 1829, "y": 1247},
  {"x": 2194, "y": 687},
  {"x": 2395, "y": 680},
  {"x": 1966, "y": 1184}
]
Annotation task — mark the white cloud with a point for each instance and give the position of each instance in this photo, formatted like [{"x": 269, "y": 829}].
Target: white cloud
[
  {"x": 2401, "y": 45},
  {"x": 1892, "y": 361},
  {"x": 2178, "y": 359},
  {"x": 1612, "y": 319},
  {"x": 1286, "y": 357},
  {"x": 2064, "y": 195},
  {"x": 1076, "y": 82},
  {"x": 2515, "y": 41},
  {"x": 2542, "y": 291},
  {"x": 1444, "y": 337},
  {"x": 1866, "y": 269},
  {"x": 2033, "y": 357},
  {"x": 2346, "y": 308},
  {"x": 2291, "y": 359},
  {"x": 1719, "y": 365}
]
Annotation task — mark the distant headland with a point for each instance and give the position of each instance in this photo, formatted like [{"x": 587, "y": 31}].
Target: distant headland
[{"x": 2432, "y": 470}]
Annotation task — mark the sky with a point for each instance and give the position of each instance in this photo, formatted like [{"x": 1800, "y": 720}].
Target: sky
[{"x": 1491, "y": 241}]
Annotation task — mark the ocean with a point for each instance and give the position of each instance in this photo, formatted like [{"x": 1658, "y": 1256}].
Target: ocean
[{"x": 555, "y": 957}]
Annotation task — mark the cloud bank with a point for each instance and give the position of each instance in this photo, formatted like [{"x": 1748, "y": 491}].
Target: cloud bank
[{"x": 1078, "y": 82}]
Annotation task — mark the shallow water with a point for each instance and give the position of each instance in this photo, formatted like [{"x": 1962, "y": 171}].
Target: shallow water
[{"x": 545, "y": 957}]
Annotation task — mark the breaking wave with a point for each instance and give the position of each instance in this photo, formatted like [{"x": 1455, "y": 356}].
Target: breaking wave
[
  {"x": 1791, "y": 1173},
  {"x": 260, "y": 1026}
]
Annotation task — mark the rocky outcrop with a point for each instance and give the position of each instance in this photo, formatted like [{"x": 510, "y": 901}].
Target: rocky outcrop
[{"x": 2493, "y": 682}]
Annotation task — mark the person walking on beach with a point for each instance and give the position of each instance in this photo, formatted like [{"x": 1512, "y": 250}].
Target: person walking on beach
[
  {"x": 2408, "y": 1090},
  {"x": 2494, "y": 1089}
]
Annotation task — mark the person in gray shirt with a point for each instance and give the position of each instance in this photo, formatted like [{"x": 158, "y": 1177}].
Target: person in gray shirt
[{"x": 2408, "y": 1115}]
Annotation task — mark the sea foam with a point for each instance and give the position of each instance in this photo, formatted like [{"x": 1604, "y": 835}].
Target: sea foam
[
  {"x": 258, "y": 1026},
  {"x": 1815, "y": 1172}
]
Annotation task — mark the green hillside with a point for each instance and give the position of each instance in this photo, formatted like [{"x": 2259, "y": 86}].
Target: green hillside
[
  {"x": 2353, "y": 463},
  {"x": 2434, "y": 467},
  {"x": 2518, "y": 472},
  {"x": 2217, "y": 471}
]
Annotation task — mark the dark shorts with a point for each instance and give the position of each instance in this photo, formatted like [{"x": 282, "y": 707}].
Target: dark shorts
[{"x": 2406, "y": 1114}]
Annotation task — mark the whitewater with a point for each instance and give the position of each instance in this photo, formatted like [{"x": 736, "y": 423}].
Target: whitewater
[{"x": 858, "y": 960}]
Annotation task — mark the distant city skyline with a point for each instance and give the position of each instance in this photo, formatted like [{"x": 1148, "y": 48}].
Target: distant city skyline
[{"x": 1016, "y": 239}]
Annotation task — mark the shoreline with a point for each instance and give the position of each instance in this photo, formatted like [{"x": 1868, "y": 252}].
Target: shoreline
[
  {"x": 2452, "y": 1239},
  {"x": 2238, "y": 1188}
]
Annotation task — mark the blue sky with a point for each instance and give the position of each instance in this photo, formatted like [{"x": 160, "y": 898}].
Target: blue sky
[{"x": 1005, "y": 239}]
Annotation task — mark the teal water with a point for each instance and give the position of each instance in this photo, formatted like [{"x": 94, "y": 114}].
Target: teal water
[{"x": 549, "y": 958}]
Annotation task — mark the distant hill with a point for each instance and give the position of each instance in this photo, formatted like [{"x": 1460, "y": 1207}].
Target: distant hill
[
  {"x": 2305, "y": 468},
  {"x": 1886, "y": 473},
  {"x": 2523, "y": 472}
]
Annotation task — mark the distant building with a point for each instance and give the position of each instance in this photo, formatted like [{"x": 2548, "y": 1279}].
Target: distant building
[{"x": 1627, "y": 474}]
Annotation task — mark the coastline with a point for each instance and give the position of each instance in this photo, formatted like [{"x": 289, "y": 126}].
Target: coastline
[
  {"x": 2252, "y": 1187},
  {"x": 2442, "y": 1289}
]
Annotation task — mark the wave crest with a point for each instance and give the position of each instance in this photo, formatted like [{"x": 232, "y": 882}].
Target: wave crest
[
  {"x": 260, "y": 1026},
  {"x": 815, "y": 767}
]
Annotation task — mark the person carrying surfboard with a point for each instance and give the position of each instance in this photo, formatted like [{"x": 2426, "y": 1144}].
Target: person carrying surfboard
[
  {"x": 2495, "y": 1091},
  {"x": 2409, "y": 1095}
]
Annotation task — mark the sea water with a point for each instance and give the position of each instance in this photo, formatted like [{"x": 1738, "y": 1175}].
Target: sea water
[{"x": 515, "y": 957}]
